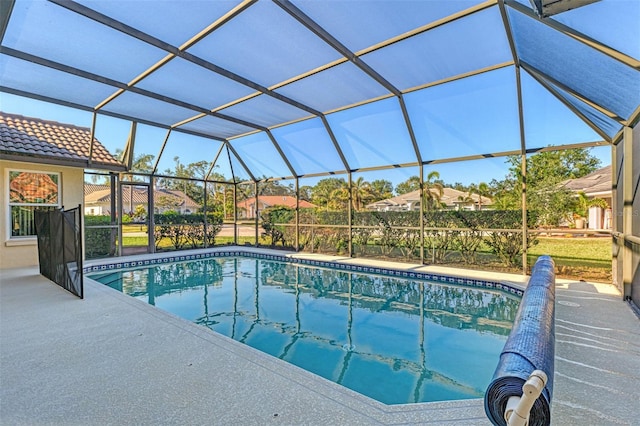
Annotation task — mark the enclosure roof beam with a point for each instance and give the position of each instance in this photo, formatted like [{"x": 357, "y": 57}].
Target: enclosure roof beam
[
  {"x": 231, "y": 149},
  {"x": 123, "y": 86},
  {"x": 282, "y": 154},
  {"x": 176, "y": 51},
  {"x": 6, "y": 7},
  {"x": 213, "y": 163},
  {"x": 164, "y": 144},
  {"x": 324, "y": 35}
]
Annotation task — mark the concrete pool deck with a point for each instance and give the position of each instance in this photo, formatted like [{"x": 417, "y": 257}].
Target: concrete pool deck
[{"x": 112, "y": 359}]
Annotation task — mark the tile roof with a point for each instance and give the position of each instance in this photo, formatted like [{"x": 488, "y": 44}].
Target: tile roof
[
  {"x": 36, "y": 138},
  {"x": 275, "y": 200},
  {"x": 449, "y": 196},
  {"x": 99, "y": 194}
]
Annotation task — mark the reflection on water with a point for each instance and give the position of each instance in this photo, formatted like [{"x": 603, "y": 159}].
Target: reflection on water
[{"x": 395, "y": 340}]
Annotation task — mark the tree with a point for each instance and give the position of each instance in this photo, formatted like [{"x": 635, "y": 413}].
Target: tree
[
  {"x": 190, "y": 176},
  {"x": 275, "y": 188},
  {"x": 432, "y": 191},
  {"x": 380, "y": 190},
  {"x": 546, "y": 171},
  {"x": 306, "y": 192},
  {"x": 411, "y": 184},
  {"x": 142, "y": 163},
  {"x": 360, "y": 193},
  {"x": 324, "y": 190},
  {"x": 140, "y": 213},
  {"x": 481, "y": 190}
]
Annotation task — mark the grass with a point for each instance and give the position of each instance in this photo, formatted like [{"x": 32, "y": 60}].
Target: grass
[
  {"x": 133, "y": 228},
  {"x": 563, "y": 250},
  {"x": 166, "y": 243},
  {"x": 592, "y": 250}
]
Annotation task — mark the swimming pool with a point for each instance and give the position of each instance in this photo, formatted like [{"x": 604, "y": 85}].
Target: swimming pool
[{"x": 393, "y": 338}]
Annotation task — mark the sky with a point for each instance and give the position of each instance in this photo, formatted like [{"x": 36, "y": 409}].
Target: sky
[
  {"x": 113, "y": 133},
  {"x": 468, "y": 116}
]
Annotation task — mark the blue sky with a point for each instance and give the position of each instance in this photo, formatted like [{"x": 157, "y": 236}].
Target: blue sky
[{"x": 113, "y": 134}]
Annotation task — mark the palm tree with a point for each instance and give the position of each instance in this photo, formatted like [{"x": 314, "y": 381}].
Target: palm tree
[
  {"x": 432, "y": 191},
  {"x": 360, "y": 192},
  {"x": 465, "y": 200},
  {"x": 410, "y": 185},
  {"x": 483, "y": 191}
]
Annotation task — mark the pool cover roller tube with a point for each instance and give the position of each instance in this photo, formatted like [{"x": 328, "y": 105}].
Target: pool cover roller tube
[{"x": 530, "y": 346}]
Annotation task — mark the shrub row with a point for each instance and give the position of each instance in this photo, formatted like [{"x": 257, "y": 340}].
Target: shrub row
[
  {"x": 446, "y": 231},
  {"x": 187, "y": 230},
  {"x": 99, "y": 242},
  {"x": 182, "y": 230}
]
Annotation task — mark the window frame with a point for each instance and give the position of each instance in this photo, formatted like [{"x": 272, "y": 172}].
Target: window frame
[{"x": 10, "y": 204}]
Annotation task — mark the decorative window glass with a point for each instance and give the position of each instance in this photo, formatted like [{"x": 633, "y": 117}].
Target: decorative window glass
[{"x": 28, "y": 192}]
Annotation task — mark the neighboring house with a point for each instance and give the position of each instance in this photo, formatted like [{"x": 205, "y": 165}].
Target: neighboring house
[
  {"x": 247, "y": 208},
  {"x": 97, "y": 200},
  {"x": 42, "y": 165},
  {"x": 595, "y": 185},
  {"x": 451, "y": 198}
]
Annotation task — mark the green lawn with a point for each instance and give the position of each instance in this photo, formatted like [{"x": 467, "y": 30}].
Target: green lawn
[
  {"x": 592, "y": 250},
  {"x": 133, "y": 228},
  {"x": 589, "y": 249},
  {"x": 166, "y": 243}
]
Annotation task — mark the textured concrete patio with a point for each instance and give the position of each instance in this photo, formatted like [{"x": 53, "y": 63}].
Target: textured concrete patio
[{"x": 112, "y": 359}]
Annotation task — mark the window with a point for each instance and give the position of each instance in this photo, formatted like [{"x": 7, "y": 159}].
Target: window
[{"x": 30, "y": 191}]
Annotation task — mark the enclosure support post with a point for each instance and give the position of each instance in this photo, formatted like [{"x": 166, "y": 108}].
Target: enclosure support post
[
  {"x": 421, "y": 214},
  {"x": 524, "y": 213},
  {"x": 627, "y": 210},
  {"x": 350, "y": 211},
  {"x": 255, "y": 188},
  {"x": 113, "y": 180},
  {"x": 93, "y": 135},
  {"x": 297, "y": 243},
  {"x": 204, "y": 216},
  {"x": 120, "y": 208},
  {"x": 235, "y": 215},
  {"x": 151, "y": 222},
  {"x": 616, "y": 248},
  {"x": 523, "y": 158}
]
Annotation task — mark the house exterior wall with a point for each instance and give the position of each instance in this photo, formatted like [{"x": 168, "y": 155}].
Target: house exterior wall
[
  {"x": 21, "y": 252},
  {"x": 248, "y": 211},
  {"x": 96, "y": 210}
]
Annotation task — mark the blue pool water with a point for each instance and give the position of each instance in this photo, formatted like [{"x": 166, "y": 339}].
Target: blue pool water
[{"x": 395, "y": 340}]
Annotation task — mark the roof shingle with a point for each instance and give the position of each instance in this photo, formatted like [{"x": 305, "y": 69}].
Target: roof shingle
[{"x": 596, "y": 182}]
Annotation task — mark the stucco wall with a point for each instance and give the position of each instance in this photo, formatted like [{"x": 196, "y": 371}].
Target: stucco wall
[{"x": 24, "y": 252}]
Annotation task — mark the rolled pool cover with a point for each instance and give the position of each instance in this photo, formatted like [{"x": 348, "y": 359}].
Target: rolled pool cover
[{"x": 530, "y": 346}]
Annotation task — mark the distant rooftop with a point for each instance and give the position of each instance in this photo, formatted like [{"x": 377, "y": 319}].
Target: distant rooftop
[
  {"x": 595, "y": 183},
  {"x": 101, "y": 194},
  {"x": 450, "y": 197},
  {"x": 33, "y": 139},
  {"x": 275, "y": 200}
]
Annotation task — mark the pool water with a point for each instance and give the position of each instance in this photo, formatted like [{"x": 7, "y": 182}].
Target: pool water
[{"x": 395, "y": 340}]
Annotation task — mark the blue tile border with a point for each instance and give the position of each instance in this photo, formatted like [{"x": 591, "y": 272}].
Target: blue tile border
[{"x": 467, "y": 282}]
